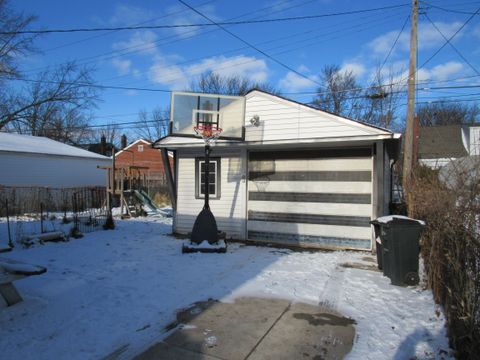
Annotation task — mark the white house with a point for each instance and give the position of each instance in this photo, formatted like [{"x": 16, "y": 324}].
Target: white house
[
  {"x": 299, "y": 176},
  {"x": 439, "y": 145},
  {"x": 38, "y": 161}
]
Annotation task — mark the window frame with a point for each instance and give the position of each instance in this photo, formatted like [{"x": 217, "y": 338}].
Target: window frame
[
  {"x": 198, "y": 162},
  {"x": 140, "y": 147}
]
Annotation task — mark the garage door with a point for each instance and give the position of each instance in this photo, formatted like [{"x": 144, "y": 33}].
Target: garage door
[{"x": 320, "y": 198}]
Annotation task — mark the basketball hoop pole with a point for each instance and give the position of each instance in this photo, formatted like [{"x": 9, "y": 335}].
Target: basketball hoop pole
[
  {"x": 205, "y": 226},
  {"x": 206, "y": 204}
]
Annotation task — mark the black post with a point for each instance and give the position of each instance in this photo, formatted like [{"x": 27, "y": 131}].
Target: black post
[
  {"x": 75, "y": 211},
  {"x": 207, "y": 177},
  {"x": 10, "y": 243},
  {"x": 41, "y": 217}
]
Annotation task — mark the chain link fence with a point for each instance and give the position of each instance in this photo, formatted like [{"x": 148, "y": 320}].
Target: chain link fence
[{"x": 35, "y": 213}]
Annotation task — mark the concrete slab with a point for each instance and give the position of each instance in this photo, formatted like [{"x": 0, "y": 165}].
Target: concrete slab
[
  {"x": 306, "y": 332},
  {"x": 162, "y": 351},
  {"x": 228, "y": 331},
  {"x": 253, "y": 328}
]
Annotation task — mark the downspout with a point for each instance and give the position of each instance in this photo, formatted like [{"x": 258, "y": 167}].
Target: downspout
[{"x": 391, "y": 185}]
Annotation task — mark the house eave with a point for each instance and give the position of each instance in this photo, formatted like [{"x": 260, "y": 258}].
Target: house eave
[
  {"x": 30, "y": 153},
  {"x": 185, "y": 142}
]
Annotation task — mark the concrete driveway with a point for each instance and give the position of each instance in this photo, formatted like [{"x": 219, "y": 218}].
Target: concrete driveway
[{"x": 254, "y": 328}]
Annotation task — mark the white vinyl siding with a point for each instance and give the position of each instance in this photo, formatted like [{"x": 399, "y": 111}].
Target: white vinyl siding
[
  {"x": 474, "y": 141},
  {"x": 281, "y": 119},
  {"x": 229, "y": 209},
  {"x": 28, "y": 169}
]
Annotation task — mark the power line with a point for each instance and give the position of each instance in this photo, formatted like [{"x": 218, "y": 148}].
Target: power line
[
  {"x": 284, "y": 93},
  {"x": 138, "y": 24},
  {"x": 171, "y": 78},
  {"x": 315, "y": 42},
  {"x": 449, "y": 39},
  {"x": 445, "y": 101},
  {"x": 314, "y": 37},
  {"x": 452, "y": 46},
  {"x": 177, "y": 38},
  {"x": 450, "y": 10},
  {"x": 89, "y": 85},
  {"x": 394, "y": 44},
  {"x": 174, "y": 26},
  {"x": 143, "y": 47},
  {"x": 251, "y": 45}
]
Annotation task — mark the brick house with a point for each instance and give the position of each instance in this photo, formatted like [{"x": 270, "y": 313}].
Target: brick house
[{"x": 141, "y": 153}]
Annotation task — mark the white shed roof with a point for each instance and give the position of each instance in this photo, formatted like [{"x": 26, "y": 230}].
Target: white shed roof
[{"x": 42, "y": 145}]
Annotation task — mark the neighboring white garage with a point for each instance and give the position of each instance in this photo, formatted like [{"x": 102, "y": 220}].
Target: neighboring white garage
[{"x": 38, "y": 161}]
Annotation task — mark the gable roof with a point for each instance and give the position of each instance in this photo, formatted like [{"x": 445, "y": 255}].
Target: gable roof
[
  {"x": 288, "y": 122},
  {"x": 146, "y": 142},
  {"x": 42, "y": 145},
  {"x": 310, "y": 107},
  {"x": 444, "y": 141}
]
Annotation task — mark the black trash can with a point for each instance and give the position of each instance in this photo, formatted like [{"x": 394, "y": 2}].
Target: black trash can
[{"x": 399, "y": 248}]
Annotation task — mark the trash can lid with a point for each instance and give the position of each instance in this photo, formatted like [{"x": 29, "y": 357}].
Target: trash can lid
[{"x": 398, "y": 219}]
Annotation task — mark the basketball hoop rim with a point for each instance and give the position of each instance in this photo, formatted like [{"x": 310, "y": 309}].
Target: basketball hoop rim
[{"x": 208, "y": 132}]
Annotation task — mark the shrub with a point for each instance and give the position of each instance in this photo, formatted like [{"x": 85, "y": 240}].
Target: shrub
[{"x": 451, "y": 249}]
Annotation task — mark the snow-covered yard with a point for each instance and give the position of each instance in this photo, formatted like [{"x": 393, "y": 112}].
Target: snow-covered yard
[{"x": 116, "y": 288}]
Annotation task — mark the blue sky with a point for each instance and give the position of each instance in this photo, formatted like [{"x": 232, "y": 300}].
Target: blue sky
[{"x": 170, "y": 59}]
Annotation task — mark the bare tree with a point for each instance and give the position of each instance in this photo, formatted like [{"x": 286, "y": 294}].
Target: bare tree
[
  {"x": 56, "y": 104},
  {"x": 12, "y": 44},
  {"x": 214, "y": 83},
  {"x": 111, "y": 133},
  {"x": 380, "y": 101},
  {"x": 153, "y": 125},
  {"x": 445, "y": 113},
  {"x": 341, "y": 94}
]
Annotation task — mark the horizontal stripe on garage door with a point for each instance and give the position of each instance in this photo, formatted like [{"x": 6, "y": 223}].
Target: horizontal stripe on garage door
[
  {"x": 311, "y": 208},
  {"x": 335, "y": 231},
  {"x": 312, "y": 175},
  {"x": 308, "y": 240},
  {"x": 311, "y": 154},
  {"x": 310, "y": 197},
  {"x": 343, "y": 187},
  {"x": 309, "y": 218},
  {"x": 311, "y": 164}
]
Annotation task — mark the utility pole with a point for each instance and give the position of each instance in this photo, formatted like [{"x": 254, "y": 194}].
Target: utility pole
[{"x": 408, "y": 138}]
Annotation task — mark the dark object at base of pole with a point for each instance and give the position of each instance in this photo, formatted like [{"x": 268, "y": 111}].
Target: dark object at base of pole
[
  {"x": 222, "y": 248},
  {"x": 10, "y": 242},
  {"x": 109, "y": 224},
  {"x": 205, "y": 228}
]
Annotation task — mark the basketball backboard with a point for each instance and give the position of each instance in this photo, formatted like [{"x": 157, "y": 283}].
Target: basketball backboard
[{"x": 191, "y": 109}]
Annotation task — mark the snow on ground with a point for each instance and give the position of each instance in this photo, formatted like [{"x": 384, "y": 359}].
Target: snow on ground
[{"x": 123, "y": 287}]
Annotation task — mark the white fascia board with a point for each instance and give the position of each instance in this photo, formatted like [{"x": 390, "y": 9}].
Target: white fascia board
[{"x": 191, "y": 142}]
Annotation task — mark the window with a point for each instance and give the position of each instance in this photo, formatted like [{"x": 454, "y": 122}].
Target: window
[
  {"x": 140, "y": 148},
  {"x": 214, "y": 178}
]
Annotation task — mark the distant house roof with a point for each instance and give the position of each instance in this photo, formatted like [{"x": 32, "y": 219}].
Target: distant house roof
[
  {"x": 42, "y": 145},
  {"x": 97, "y": 148},
  {"x": 441, "y": 142},
  {"x": 146, "y": 142}
]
